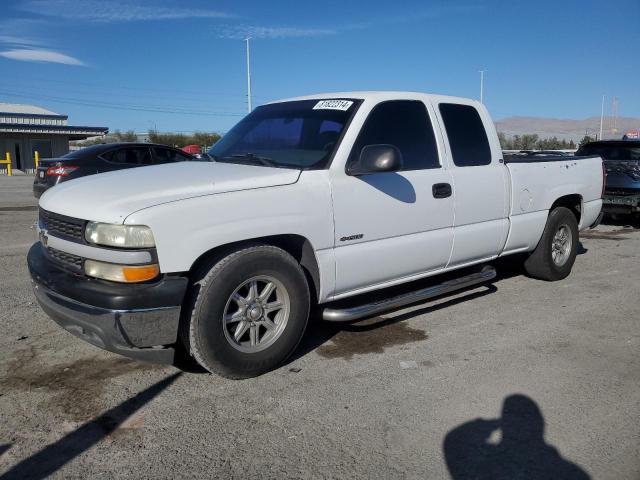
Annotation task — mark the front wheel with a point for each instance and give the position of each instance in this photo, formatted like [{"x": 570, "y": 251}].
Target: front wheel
[
  {"x": 249, "y": 312},
  {"x": 556, "y": 251}
]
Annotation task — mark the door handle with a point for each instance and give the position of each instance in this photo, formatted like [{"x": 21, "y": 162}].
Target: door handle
[{"x": 441, "y": 190}]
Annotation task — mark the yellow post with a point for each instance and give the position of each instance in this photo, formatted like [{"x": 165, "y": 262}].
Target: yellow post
[
  {"x": 37, "y": 157},
  {"x": 7, "y": 162}
]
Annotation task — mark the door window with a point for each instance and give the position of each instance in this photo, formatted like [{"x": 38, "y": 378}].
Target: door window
[
  {"x": 168, "y": 155},
  {"x": 130, "y": 156},
  {"x": 404, "y": 124},
  {"x": 467, "y": 136}
]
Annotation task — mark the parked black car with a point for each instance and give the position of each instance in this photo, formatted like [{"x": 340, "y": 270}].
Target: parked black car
[
  {"x": 103, "y": 158},
  {"x": 622, "y": 163}
]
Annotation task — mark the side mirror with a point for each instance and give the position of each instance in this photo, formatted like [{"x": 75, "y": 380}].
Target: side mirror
[{"x": 376, "y": 159}]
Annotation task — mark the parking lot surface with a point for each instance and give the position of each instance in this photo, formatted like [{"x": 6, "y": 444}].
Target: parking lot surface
[{"x": 516, "y": 376}]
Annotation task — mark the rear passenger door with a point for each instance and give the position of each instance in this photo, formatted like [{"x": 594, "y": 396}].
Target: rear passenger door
[
  {"x": 391, "y": 226},
  {"x": 480, "y": 184}
]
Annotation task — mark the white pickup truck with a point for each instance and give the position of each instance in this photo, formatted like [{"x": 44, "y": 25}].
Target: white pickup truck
[{"x": 306, "y": 201}]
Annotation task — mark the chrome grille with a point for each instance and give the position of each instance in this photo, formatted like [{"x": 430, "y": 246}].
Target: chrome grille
[
  {"x": 62, "y": 226},
  {"x": 69, "y": 260},
  {"x": 622, "y": 191}
]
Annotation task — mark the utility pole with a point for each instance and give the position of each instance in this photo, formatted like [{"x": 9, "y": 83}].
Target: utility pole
[
  {"x": 614, "y": 116},
  {"x": 248, "y": 76},
  {"x": 482, "y": 86},
  {"x": 601, "y": 117}
]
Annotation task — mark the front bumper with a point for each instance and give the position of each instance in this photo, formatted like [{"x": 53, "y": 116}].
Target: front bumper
[
  {"x": 138, "y": 321},
  {"x": 621, "y": 203}
]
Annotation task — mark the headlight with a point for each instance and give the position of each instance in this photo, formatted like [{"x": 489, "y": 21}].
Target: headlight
[
  {"x": 121, "y": 273},
  {"x": 125, "y": 236}
]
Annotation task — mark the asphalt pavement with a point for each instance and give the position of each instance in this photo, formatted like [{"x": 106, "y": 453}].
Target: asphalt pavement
[{"x": 519, "y": 376}]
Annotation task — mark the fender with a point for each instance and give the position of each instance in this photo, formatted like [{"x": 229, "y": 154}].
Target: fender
[{"x": 186, "y": 229}]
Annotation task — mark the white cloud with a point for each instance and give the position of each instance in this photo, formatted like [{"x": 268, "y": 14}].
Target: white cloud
[
  {"x": 243, "y": 31},
  {"x": 17, "y": 40},
  {"x": 39, "y": 55},
  {"x": 105, "y": 11},
  {"x": 20, "y": 31},
  {"x": 21, "y": 41}
]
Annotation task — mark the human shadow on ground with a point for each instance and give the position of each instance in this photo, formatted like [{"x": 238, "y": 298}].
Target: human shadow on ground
[
  {"x": 54, "y": 456},
  {"x": 474, "y": 451}
]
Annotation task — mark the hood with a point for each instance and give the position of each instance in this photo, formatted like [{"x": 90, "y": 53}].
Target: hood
[
  {"x": 111, "y": 197},
  {"x": 623, "y": 173}
]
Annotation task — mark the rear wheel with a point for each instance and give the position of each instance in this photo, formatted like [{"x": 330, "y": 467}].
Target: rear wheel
[
  {"x": 249, "y": 312},
  {"x": 556, "y": 251}
]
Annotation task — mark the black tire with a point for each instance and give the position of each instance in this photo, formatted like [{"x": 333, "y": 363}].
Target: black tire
[
  {"x": 540, "y": 264},
  {"x": 203, "y": 331}
]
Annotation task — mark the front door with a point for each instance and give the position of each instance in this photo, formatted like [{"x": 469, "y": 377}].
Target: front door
[{"x": 390, "y": 226}]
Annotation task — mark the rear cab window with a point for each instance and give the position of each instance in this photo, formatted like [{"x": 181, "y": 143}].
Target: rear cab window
[
  {"x": 404, "y": 124},
  {"x": 466, "y": 133}
]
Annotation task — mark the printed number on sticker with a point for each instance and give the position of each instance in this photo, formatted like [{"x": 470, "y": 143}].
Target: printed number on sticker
[{"x": 333, "y": 105}]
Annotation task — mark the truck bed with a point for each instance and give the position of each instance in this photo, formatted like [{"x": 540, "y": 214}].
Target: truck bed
[{"x": 536, "y": 183}]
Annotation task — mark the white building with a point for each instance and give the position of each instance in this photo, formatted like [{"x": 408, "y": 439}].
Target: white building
[{"x": 26, "y": 129}]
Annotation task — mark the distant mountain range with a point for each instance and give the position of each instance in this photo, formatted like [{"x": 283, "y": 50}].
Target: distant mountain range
[{"x": 566, "y": 129}]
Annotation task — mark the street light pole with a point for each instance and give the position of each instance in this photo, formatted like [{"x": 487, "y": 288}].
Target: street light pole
[
  {"x": 249, "y": 108},
  {"x": 481, "y": 86},
  {"x": 601, "y": 117}
]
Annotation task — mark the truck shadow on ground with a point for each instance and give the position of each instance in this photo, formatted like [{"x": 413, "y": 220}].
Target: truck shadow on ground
[
  {"x": 512, "y": 446},
  {"x": 374, "y": 334},
  {"x": 4, "y": 448},
  {"x": 371, "y": 335},
  {"x": 627, "y": 221},
  {"x": 54, "y": 456}
]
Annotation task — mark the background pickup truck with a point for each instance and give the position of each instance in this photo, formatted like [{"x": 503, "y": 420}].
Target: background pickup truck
[
  {"x": 307, "y": 201},
  {"x": 622, "y": 165}
]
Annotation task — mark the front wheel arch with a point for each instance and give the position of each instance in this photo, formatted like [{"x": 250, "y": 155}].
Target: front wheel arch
[{"x": 298, "y": 246}]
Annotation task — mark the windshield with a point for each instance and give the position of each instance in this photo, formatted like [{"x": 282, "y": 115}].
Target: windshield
[
  {"x": 301, "y": 134},
  {"x": 611, "y": 152}
]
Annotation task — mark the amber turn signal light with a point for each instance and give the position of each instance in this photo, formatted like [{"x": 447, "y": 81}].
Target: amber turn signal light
[
  {"x": 121, "y": 273},
  {"x": 140, "y": 274}
]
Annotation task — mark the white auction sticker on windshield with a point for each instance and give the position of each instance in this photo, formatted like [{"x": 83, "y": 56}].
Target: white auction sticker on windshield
[{"x": 333, "y": 105}]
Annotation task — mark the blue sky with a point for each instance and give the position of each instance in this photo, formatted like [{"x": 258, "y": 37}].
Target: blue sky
[{"x": 180, "y": 66}]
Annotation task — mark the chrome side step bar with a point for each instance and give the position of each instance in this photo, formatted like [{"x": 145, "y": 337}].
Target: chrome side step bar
[{"x": 354, "y": 313}]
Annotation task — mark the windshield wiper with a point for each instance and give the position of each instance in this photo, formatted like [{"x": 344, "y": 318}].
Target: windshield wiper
[{"x": 265, "y": 161}]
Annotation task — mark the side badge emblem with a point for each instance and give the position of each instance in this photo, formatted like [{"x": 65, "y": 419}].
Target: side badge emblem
[{"x": 352, "y": 237}]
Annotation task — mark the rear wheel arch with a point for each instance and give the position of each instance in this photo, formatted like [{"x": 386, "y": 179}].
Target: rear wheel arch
[{"x": 572, "y": 202}]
